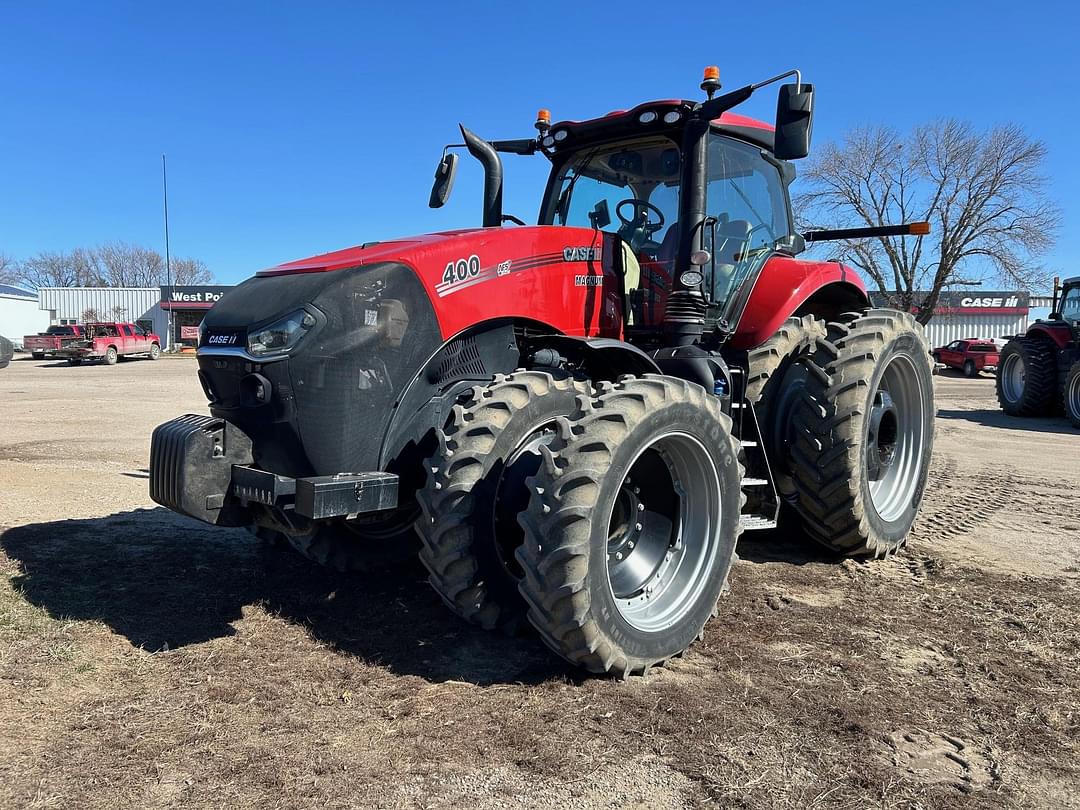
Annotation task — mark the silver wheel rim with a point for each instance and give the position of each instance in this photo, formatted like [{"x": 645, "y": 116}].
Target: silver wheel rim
[
  {"x": 1012, "y": 378},
  {"x": 664, "y": 533},
  {"x": 895, "y": 438},
  {"x": 1072, "y": 397}
]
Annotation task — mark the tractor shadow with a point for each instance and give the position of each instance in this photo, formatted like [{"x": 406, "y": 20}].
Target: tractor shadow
[
  {"x": 788, "y": 544},
  {"x": 999, "y": 419},
  {"x": 165, "y": 582}
]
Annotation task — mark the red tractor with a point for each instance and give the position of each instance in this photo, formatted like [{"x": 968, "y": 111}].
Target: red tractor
[
  {"x": 1039, "y": 371},
  {"x": 580, "y": 417}
]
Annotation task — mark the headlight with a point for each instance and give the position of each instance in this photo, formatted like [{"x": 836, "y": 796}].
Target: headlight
[{"x": 280, "y": 336}]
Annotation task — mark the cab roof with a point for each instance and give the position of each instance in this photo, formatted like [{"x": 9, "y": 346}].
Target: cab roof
[{"x": 743, "y": 127}]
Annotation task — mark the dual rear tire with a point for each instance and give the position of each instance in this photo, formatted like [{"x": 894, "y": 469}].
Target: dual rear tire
[
  {"x": 1027, "y": 377},
  {"x": 606, "y": 519},
  {"x": 846, "y": 410}
]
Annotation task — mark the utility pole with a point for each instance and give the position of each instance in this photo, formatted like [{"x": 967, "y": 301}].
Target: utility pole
[{"x": 168, "y": 272}]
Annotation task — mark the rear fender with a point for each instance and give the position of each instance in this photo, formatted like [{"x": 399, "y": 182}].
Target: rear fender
[
  {"x": 787, "y": 287},
  {"x": 1059, "y": 335}
]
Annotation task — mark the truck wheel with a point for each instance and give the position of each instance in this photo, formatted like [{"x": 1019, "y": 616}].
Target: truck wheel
[
  {"x": 1072, "y": 395},
  {"x": 631, "y": 526},
  {"x": 155, "y": 351},
  {"x": 476, "y": 489},
  {"x": 863, "y": 433},
  {"x": 969, "y": 369},
  {"x": 111, "y": 356},
  {"x": 37, "y": 355},
  {"x": 1027, "y": 377},
  {"x": 74, "y": 361},
  {"x": 774, "y": 391}
]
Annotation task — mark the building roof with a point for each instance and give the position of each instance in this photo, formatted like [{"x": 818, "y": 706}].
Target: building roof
[{"x": 17, "y": 292}]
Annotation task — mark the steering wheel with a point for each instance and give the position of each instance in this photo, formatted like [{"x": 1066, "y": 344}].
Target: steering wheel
[{"x": 640, "y": 218}]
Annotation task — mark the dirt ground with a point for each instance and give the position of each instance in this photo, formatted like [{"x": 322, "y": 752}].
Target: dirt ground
[{"x": 149, "y": 661}]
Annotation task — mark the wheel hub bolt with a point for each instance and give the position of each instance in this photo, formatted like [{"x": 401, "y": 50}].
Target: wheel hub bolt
[
  {"x": 618, "y": 555},
  {"x": 637, "y": 527}
]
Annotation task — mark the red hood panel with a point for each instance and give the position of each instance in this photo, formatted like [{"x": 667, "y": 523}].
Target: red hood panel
[
  {"x": 402, "y": 249},
  {"x": 554, "y": 275}
]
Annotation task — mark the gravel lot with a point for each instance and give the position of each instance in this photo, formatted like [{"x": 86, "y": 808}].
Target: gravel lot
[{"x": 146, "y": 660}]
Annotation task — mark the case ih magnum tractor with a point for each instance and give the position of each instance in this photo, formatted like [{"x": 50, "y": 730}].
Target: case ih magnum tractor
[
  {"x": 578, "y": 418},
  {"x": 1039, "y": 371}
]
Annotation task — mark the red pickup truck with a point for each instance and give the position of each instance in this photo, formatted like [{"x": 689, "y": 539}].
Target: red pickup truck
[
  {"x": 108, "y": 342},
  {"x": 48, "y": 343},
  {"x": 970, "y": 355}
]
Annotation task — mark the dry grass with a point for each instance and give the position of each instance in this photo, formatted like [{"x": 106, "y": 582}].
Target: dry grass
[{"x": 146, "y": 661}]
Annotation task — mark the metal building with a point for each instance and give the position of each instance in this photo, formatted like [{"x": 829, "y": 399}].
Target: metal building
[
  {"x": 19, "y": 314},
  {"x": 141, "y": 305},
  {"x": 148, "y": 306},
  {"x": 983, "y": 314}
]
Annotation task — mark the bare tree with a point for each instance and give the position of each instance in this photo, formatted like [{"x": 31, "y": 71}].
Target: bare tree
[
  {"x": 983, "y": 193},
  {"x": 90, "y": 316},
  {"x": 114, "y": 264},
  {"x": 190, "y": 271},
  {"x": 54, "y": 269},
  {"x": 127, "y": 265},
  {"x": 8, "y": 270}
]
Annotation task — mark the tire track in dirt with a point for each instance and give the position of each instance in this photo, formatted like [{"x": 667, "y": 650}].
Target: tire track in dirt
[{"x": 956, "y": 504}]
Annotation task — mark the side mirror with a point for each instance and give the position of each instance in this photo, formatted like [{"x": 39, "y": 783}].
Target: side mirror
[
  {"x": 794, "y": 121},
  {"x": 444, "y": 180}
]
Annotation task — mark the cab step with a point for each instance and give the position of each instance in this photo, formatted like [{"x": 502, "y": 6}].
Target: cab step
[{"x": 755, "y": 522}]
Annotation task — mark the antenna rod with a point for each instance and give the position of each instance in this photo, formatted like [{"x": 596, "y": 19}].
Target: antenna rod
[{"x": 168, "y": 272}]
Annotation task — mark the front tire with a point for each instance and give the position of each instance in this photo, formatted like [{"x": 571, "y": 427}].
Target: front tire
[
  {"x": 1072, "y": 395},
  {"x": 863, "y": 434},
  {"x": 1027, "y": 377},
  {"x": 476, "y": 489},
  {"x": 155, "y": 351},
  {"x": 631, "y": 528},
  {"x": 37, "y": 355}
]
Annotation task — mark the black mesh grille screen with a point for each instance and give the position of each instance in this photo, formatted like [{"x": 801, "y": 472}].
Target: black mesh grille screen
[{"x": 345, "y": 376}]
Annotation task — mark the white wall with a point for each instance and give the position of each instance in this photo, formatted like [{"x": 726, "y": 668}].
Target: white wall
[
  {"x": 21, "y": 316},
  {"x": 944, "y": 329}
]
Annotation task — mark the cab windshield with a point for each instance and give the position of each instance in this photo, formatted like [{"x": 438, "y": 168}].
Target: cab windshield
[
  {"x": 630, "y": 188},
  {"x": 1070, "y": 305}
]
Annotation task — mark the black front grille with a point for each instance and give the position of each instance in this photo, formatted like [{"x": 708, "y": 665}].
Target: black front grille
[{"x": 333, "y": 397}]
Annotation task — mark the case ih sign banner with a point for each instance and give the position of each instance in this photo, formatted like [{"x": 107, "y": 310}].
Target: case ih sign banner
[
  {"x": 1012, "y": 302},
  {"x": 191, "y": 297}
]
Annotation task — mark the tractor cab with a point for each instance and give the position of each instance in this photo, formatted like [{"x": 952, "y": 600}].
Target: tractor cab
[
  {"x": 696, "y": 195},
  {"x": 624, "y": 175}
]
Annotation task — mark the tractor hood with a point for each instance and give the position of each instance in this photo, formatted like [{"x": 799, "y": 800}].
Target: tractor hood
[{"x": 410, "y": 249}]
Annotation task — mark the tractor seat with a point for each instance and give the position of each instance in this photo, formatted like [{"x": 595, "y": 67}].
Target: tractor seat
[{"x": 730, "y": 237}]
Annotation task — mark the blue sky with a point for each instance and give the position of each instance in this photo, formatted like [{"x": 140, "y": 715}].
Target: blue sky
[{"x": 292, "y": 129}]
